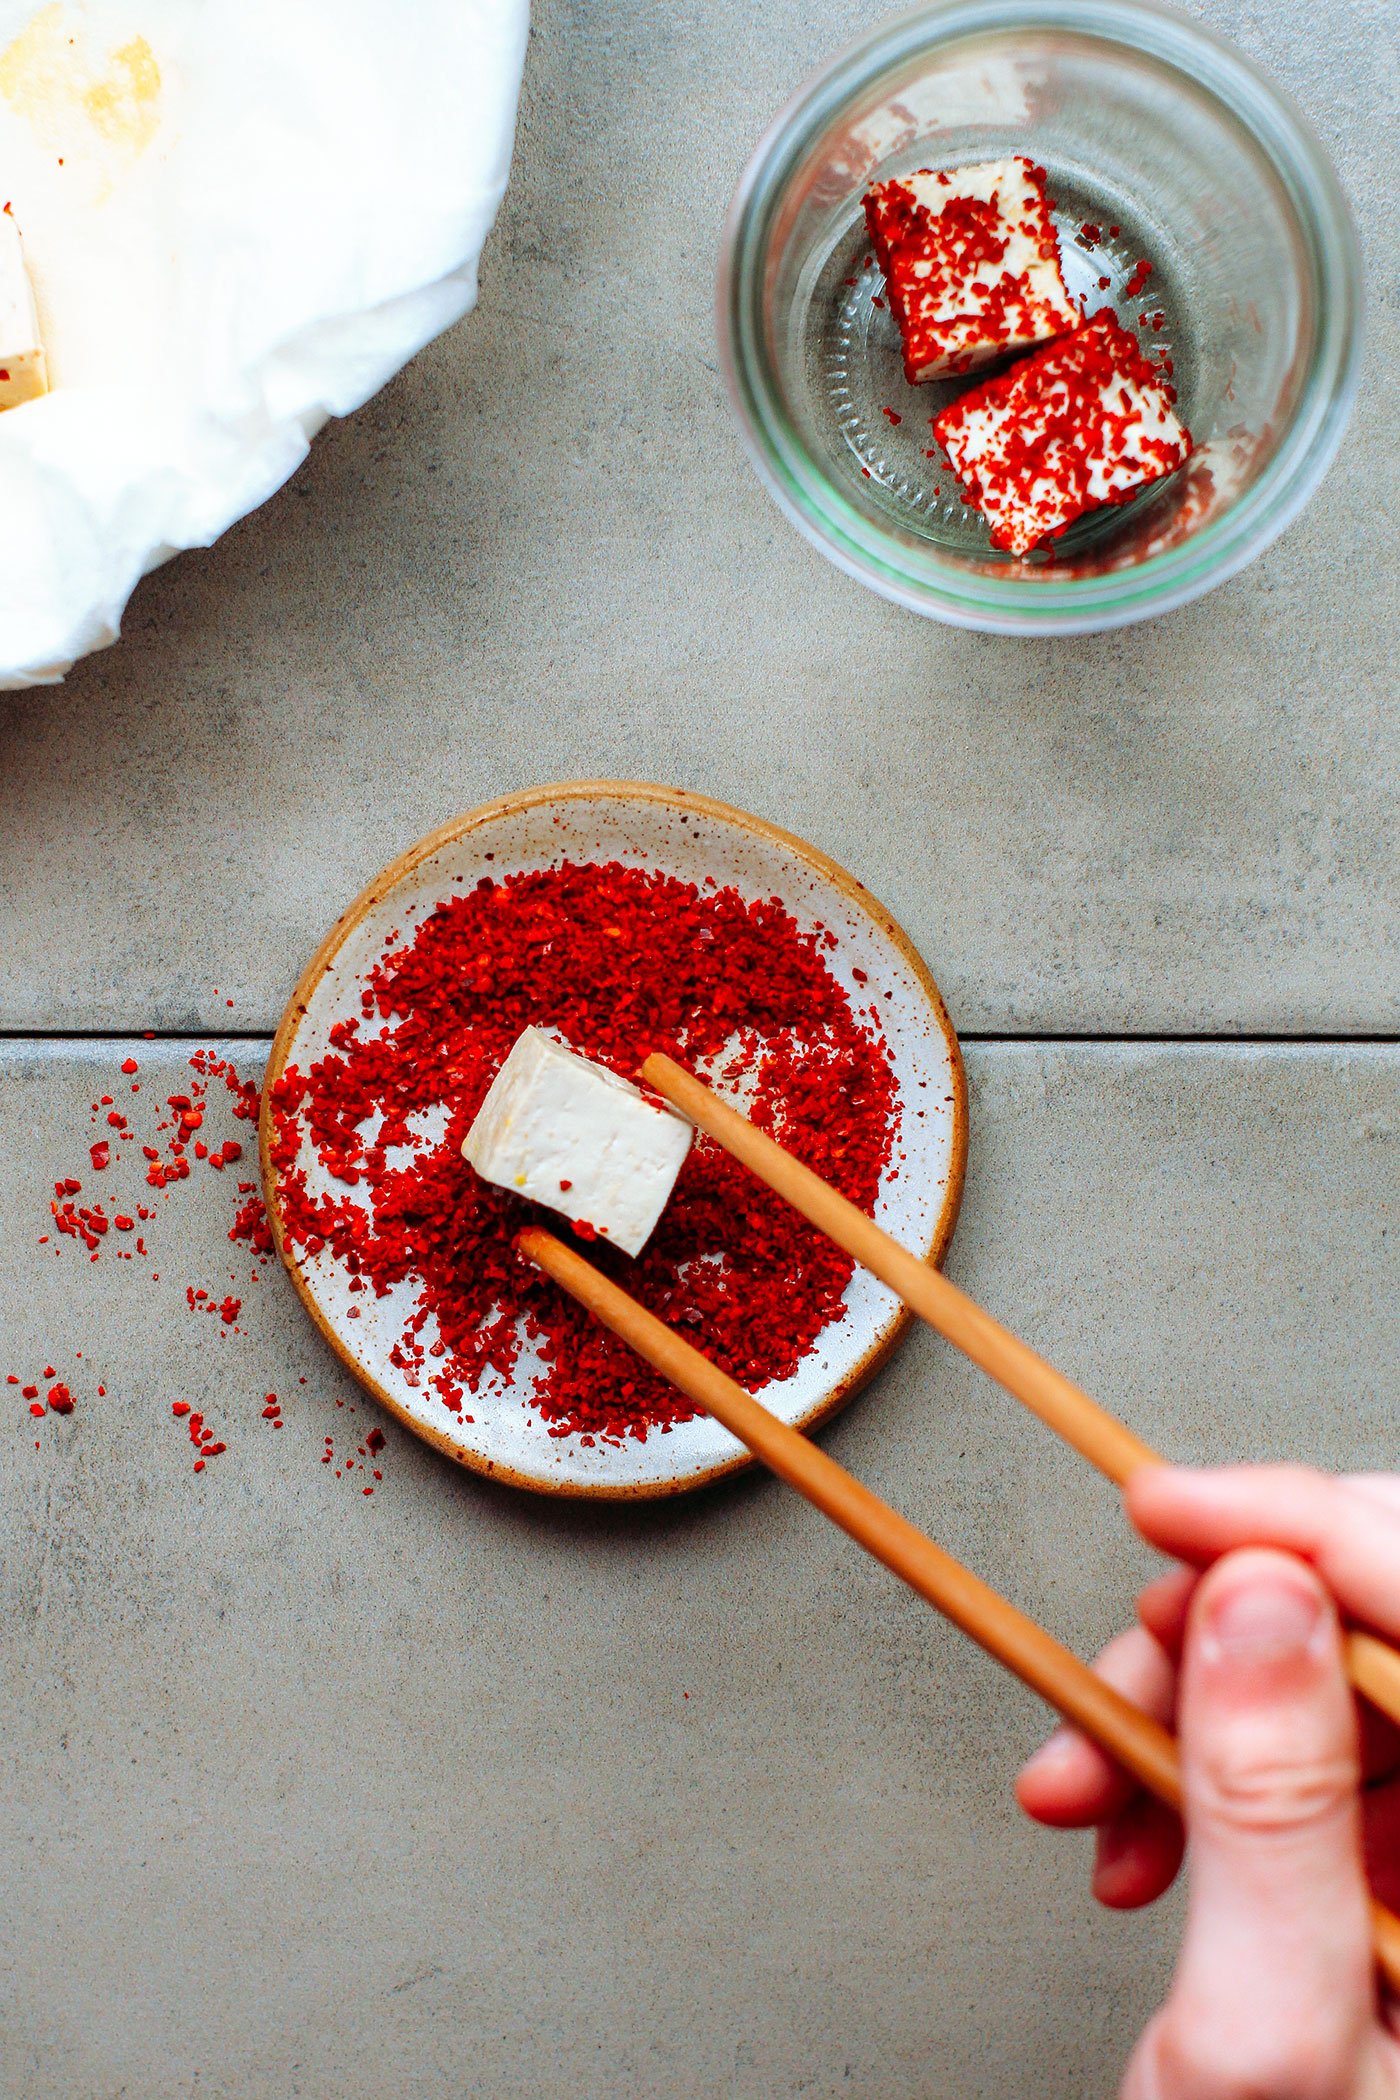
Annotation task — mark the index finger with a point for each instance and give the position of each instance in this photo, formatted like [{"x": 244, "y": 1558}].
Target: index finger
[{"x": 1349, "y": 1529}]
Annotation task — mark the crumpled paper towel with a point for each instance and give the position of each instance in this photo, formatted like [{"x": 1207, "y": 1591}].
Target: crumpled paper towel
[{"x": 240, "y": 217}]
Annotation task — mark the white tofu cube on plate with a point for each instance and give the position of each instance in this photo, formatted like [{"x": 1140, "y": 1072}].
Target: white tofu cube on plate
[{"x": 565, "y": 1132}]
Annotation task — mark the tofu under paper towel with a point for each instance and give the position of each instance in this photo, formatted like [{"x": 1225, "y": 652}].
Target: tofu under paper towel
[{"x": 23, "y": 367}]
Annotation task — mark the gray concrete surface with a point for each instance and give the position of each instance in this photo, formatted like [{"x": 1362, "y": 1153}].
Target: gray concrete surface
[
  {"x": 542, "y": 554},
  {"x": 312, "y": 1794},
  {"x": 450, "y": 1791}
]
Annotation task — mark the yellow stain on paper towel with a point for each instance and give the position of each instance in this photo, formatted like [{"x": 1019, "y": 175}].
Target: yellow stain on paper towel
[{"x": 45, "y": 75}]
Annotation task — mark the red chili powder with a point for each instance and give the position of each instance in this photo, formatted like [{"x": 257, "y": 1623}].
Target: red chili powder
[
  {"x": 167, "y": 1172},
  {"x": 619, "y": 961}
]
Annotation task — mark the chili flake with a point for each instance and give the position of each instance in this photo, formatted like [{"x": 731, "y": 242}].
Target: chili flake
[{"x": 618, "y": 961}]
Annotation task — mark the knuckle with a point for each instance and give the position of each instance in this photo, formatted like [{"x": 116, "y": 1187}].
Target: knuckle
[
  {"x": 1196, "y": 2060},
  {"x": 1263, "y": 1790}
]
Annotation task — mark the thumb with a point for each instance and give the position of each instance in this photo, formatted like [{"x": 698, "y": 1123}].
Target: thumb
[{"x": 1274, "y": 1992}]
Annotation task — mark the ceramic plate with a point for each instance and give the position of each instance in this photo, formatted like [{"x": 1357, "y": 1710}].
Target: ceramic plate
[{"x": 689, "y": 837}]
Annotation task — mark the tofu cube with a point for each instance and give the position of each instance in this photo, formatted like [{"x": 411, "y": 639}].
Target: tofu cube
[
  {"x": 23, "y": 372},
  {"x": 1084, "y": 422},
  {"x": 558, "y": 1128},
  {"x": 971, "y": 263}
]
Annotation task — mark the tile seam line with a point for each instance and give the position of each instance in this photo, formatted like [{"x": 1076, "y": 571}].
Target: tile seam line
[{"x": 1214, "y": 1039}]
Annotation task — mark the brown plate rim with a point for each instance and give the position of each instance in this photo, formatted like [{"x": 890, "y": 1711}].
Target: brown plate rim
[{"x": 673, "y": 799}]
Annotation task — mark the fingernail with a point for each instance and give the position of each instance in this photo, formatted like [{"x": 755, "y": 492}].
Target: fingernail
[{"x": 1261, "y": 1621}]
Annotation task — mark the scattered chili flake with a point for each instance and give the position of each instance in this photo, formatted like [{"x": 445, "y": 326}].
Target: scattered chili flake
[
  {"x": 893, "y": 416},
  {"x": 93, "y": 1228},
  {"x": 720, "y": 981},
  {"x": 251, "y": 1225}
]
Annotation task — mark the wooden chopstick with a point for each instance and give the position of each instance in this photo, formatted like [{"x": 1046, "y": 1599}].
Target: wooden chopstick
[
  {"x": 1097, "y": 1435},
  {"x": 1372, "y": 1665},
  {"x": 1137, "y": 1742}
]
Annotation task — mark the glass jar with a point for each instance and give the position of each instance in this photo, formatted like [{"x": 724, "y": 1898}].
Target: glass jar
[{"x": 1161, "y": 144}]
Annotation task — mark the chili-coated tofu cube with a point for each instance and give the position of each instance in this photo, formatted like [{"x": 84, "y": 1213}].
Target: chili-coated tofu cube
[
  {"x": 1084, "y": 422},
  {"x": 971, "y": 263}
]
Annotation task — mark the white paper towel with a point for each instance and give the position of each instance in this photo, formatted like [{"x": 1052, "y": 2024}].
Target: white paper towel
[{"x": 240, "y": 217}]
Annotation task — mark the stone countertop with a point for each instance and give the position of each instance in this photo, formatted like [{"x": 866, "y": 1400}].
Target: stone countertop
[
  {"x": 541, "y": 554},
  {"x": 313, "y": 1792},
  {"x": 453, "y": 1790}
]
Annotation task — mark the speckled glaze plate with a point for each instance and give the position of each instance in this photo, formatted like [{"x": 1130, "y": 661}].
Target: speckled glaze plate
[{"x": 690, "y": 837}]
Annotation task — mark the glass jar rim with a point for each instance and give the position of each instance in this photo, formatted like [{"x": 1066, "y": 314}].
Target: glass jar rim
[{"x": 1047, "y": 605}]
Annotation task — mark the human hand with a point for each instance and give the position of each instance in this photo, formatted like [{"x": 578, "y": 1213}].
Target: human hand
[{"x": 1291, "y": 1792}]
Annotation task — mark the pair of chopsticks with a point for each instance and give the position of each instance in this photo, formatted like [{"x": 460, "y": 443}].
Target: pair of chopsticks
[{"x": 1140, "y": 1744}]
